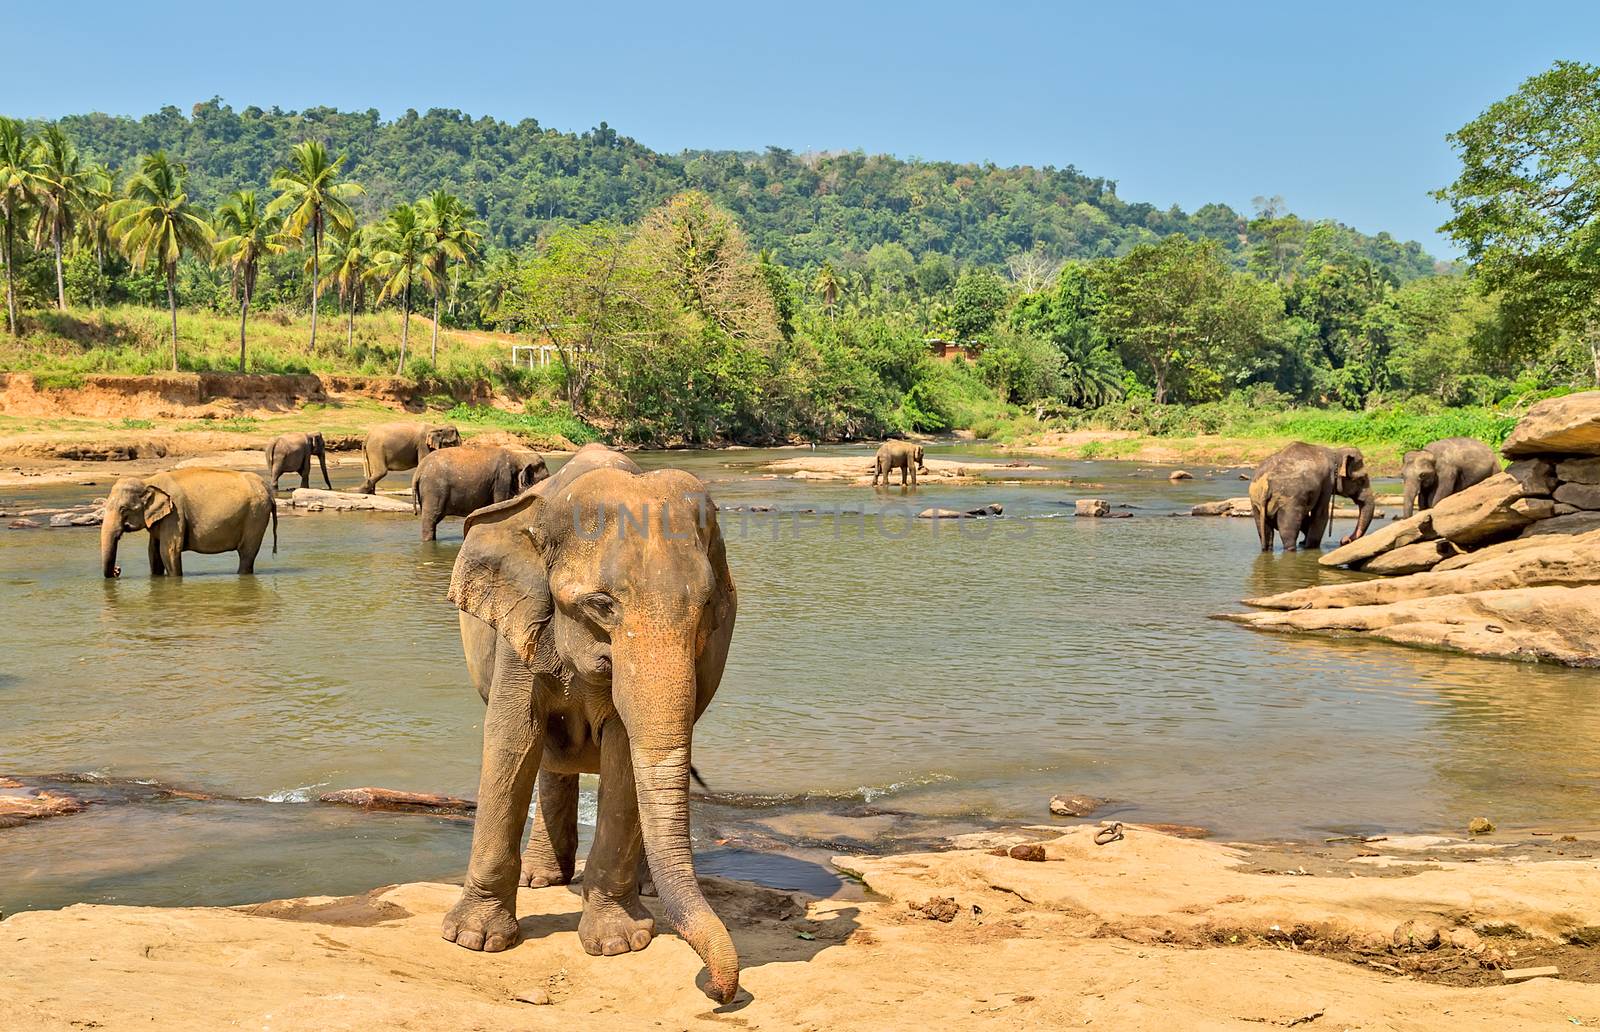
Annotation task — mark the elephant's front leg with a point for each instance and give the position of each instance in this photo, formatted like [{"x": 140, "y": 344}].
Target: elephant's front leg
[
  {"x": 513, "y": 737},
  {"x": 171, "y": 548},
  {"x": 553, "y": 841},
  {"x": 614, "y": 921},
  {"x": 157, "y": 567}
]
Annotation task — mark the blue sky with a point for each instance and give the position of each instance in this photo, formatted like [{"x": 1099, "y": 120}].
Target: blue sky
[{"x": 1342, "y": 110}]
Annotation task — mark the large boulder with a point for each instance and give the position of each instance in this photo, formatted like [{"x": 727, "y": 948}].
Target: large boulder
[
  {"x": 1537, "y": 476},
  {"x": 1091, "y": 507},
  {"x": 1558, "y": 426},
  {"x": 1487, "y": 511},
  {"x": 1571, "y": 523},
  {"x": 1413, "y": 558},
  {"x": 1550, "y": 622},
  {"x": 1398, "y": 534},
  {"x": 1581, "y": 496},
  {"x": 1579, "y": 471},
  {"x": 313, "y": 498}
]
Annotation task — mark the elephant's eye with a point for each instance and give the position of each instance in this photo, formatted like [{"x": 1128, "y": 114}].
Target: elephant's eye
[{"x": 601, "y": 606}]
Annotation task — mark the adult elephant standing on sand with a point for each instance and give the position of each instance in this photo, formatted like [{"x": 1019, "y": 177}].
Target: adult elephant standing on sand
[
  {"x": 596, "y": 611},
  {"x": 291, "y": 453},
  {"x": 400, "y": 446},
  {"x": 189, "y": 510},
  {"x": 905, "y": 456},
  {"x": 459, "y": 481},
  {"x": 1293, "y": 490},
  {"x": 1438, "y": 470}
]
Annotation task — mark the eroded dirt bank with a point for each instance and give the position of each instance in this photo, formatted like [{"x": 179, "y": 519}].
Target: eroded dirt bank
[{"x": 1149, "y": 932}]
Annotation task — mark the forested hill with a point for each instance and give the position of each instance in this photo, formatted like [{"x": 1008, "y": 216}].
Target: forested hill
[{"x": 523, "y": 178}]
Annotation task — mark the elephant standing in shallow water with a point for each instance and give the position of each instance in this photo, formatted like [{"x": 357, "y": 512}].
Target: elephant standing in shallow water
[
  {"x": 292, "y": 453},
  {"x": 189, "y": 510},
  {"x": 400, "y": 446},
  {"x": 596, "y": 611},
  {"x": 1438, "y": 470},
  {"x": 1292, "y": 493},
  {"x": 902, "y": 455},
  {"x": 457, "y": 481}
]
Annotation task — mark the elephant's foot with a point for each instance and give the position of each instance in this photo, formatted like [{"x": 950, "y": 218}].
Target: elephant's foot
[
  {"x": 540, "y": 870},
  {"x": 610, "y": 926},
  {"x": 480, "y": 922}
]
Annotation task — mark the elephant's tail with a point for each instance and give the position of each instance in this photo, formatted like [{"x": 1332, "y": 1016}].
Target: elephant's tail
[
  {"x": 272, "y": 506},
  {"x": 272, "y": 446},
  {"x": 416, "y": 497}
]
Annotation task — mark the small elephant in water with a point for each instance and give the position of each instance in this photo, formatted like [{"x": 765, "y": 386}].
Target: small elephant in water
[
  {"x": 189, "y": 510},
  {"x": 902, "y": 455},
  {"x": 1292, "y": 492},
  {"x": 291, "y": 453},
  {"x": 1438, "y": 470},
  {"x": 458, "y": 481},
  {"x": 596, "y": 612},
  {"x": 400, "y": 446}
]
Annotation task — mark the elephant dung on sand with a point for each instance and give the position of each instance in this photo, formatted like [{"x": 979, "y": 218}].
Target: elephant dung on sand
[
  {"x": 1440, "y": 469},
  {"x": 596, "y": 611},
  {"x": 400, "y": 446},
  {"x": 457, "y": 481},
  {"x": 291, "y": 453},
  {"x": 1293, "y": 489},
  {"x": 905, "y": 456},
  {"x": 189, "y": 510}
]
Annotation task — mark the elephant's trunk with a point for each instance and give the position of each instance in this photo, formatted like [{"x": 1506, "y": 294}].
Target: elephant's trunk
[
  {"x": 654, "y": 689},
  {"x": 322, "y": 460},
  {"x": 110, "y": 532},
  {"x": 1368, "y": 500},
  {"x": 1409, "y": 497}
]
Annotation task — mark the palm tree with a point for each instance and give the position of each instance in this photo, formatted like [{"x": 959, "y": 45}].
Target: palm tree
[
  {"x": 56, "y": 176},
  {"x": 401, "y": 261},
  {"x": 247, "y": 234},
  {"x": 828, "y": 287},
  {"x": 100, "y": 186},
  {"x": 157, "y": 224},
  {"x": 313, "y": 199},
  {"x": 16, "y": 193},
  {"x": 452, "y": 237},
  {"x": 348, "y": 262}
]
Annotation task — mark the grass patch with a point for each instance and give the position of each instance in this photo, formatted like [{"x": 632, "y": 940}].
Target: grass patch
[
  {"x": 541, "y": 420},
  {"x": 236, "y": 424},
  {"x": 134, "y": 424}
]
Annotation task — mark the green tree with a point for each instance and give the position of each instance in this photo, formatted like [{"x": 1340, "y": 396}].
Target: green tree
[
  {"x": 977, "y": 301},
  {"x": 453, "y": 239},
  {"x": 347, "y": 266},
  {"x": 828, "y": 288},
  {"x": 1527, "y": 201},
  {"x": 245, "y": 235},
  {"x": 101, "y": 187},
  {"x": 311, "y": 198},
  {"x": 157, "y": 225},
  {"x": 401, "y": 263},
  {"x": 56, "y": 175},
  {"x": 16, "y": 149}
]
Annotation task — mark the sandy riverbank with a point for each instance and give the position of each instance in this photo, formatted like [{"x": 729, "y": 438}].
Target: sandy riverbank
[{"x": 1150, "y": 932}]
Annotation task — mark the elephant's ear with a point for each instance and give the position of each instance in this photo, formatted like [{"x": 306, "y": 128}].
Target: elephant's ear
[
  {"x": 1346, "y": 459},
  {"x": 500, "y": 578},
  {"x": 499, "y": 512},
  {"x": 157, "y": 506}
]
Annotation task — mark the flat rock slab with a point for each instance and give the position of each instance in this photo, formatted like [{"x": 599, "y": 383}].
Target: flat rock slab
[
  {"x": 1495, "y": 508},
  {"x": 346, "y": 501},
  {"x": 992, "y": 509},
  {"x": 395, "y": 800},
  {"x": 1413, "y": 558},
  {"x": 20, "y": 804},
  {"x": 1227, "y": 507},
  {"x": 1396, "y": 535},
  {"x": 1568, "y": 425}
]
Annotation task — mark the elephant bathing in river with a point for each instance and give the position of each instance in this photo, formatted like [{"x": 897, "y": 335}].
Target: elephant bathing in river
[
  {"x": 399, "y": 446},
  {"x": 291, "y": 453},
  {"x": 189, "y": 510},
  {"x": 456, "y": 481},
  {"x": 596, "y": 611},
  {"x": 902, "y": 455},
  {"x": 1436, "y": 471},
  {"x": 1293, "y": 490}
]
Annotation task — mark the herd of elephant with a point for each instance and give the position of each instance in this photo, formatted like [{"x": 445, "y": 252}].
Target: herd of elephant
[
  {"x": 1292, "y": 492},
  {"x": 596, "y": 652}
]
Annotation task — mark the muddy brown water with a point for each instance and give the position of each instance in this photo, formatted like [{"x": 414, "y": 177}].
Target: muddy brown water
[{"x": 890, "y": 680}]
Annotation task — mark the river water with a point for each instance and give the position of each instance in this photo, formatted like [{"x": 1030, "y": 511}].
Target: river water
[{"x": 880, "y": 665}]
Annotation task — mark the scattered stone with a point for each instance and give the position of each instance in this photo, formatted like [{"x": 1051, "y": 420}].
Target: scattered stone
[
  {"x": 1180, "y": 474},
  {"x": 1227, "y": 507},
  {"x": 1075, "y": 805},
  {"x": 24, "y": 524},
  {"x": 317, "y": 499},
  {"x": 1480, "y": 826},
  {"x": 1415, "y": 935},
  {"x": 1091, "y": 507},
  {"x": 19, "y": 805},
  {"x": 1568, "y": 425},
  {"x": 1581, "y": 496},
  {"x": 992, "y": 509},
  {"x": 1466, "y": 939},
  {"x": 1031, "y": 852},
  {"x": 1523, "y": 974},
  {"x": 938, "y": 908},
  {"x": 536, "y": 996}
]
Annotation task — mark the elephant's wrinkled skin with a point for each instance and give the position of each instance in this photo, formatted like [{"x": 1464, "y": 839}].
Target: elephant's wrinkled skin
[
  {"x": 1438, "y": 470},
  {"x": 400, "y": 446},
  {"x": 1292, "y": 492},
  {"x": 457, "y": 481},
  {"x": 596, "y": 611},
  {"x": 291, "y": 453},
  {"x": 189, "y": 510},
  {"x": 902, "y": 455}
]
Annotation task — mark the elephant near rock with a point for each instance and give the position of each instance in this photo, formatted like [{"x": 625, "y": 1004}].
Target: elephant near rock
[
  {"x": 400, "y": 446},
  {"x": 906, "y": 456},
  {"x": 1442, "y": 468},
  {"x": 596, "y": 611},
  {"x": 208, "y": 511},
  {"x": 458, "y": 481},
  {"x": 1292, "y": 493},
  {"x": 291, "y": 453}
]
